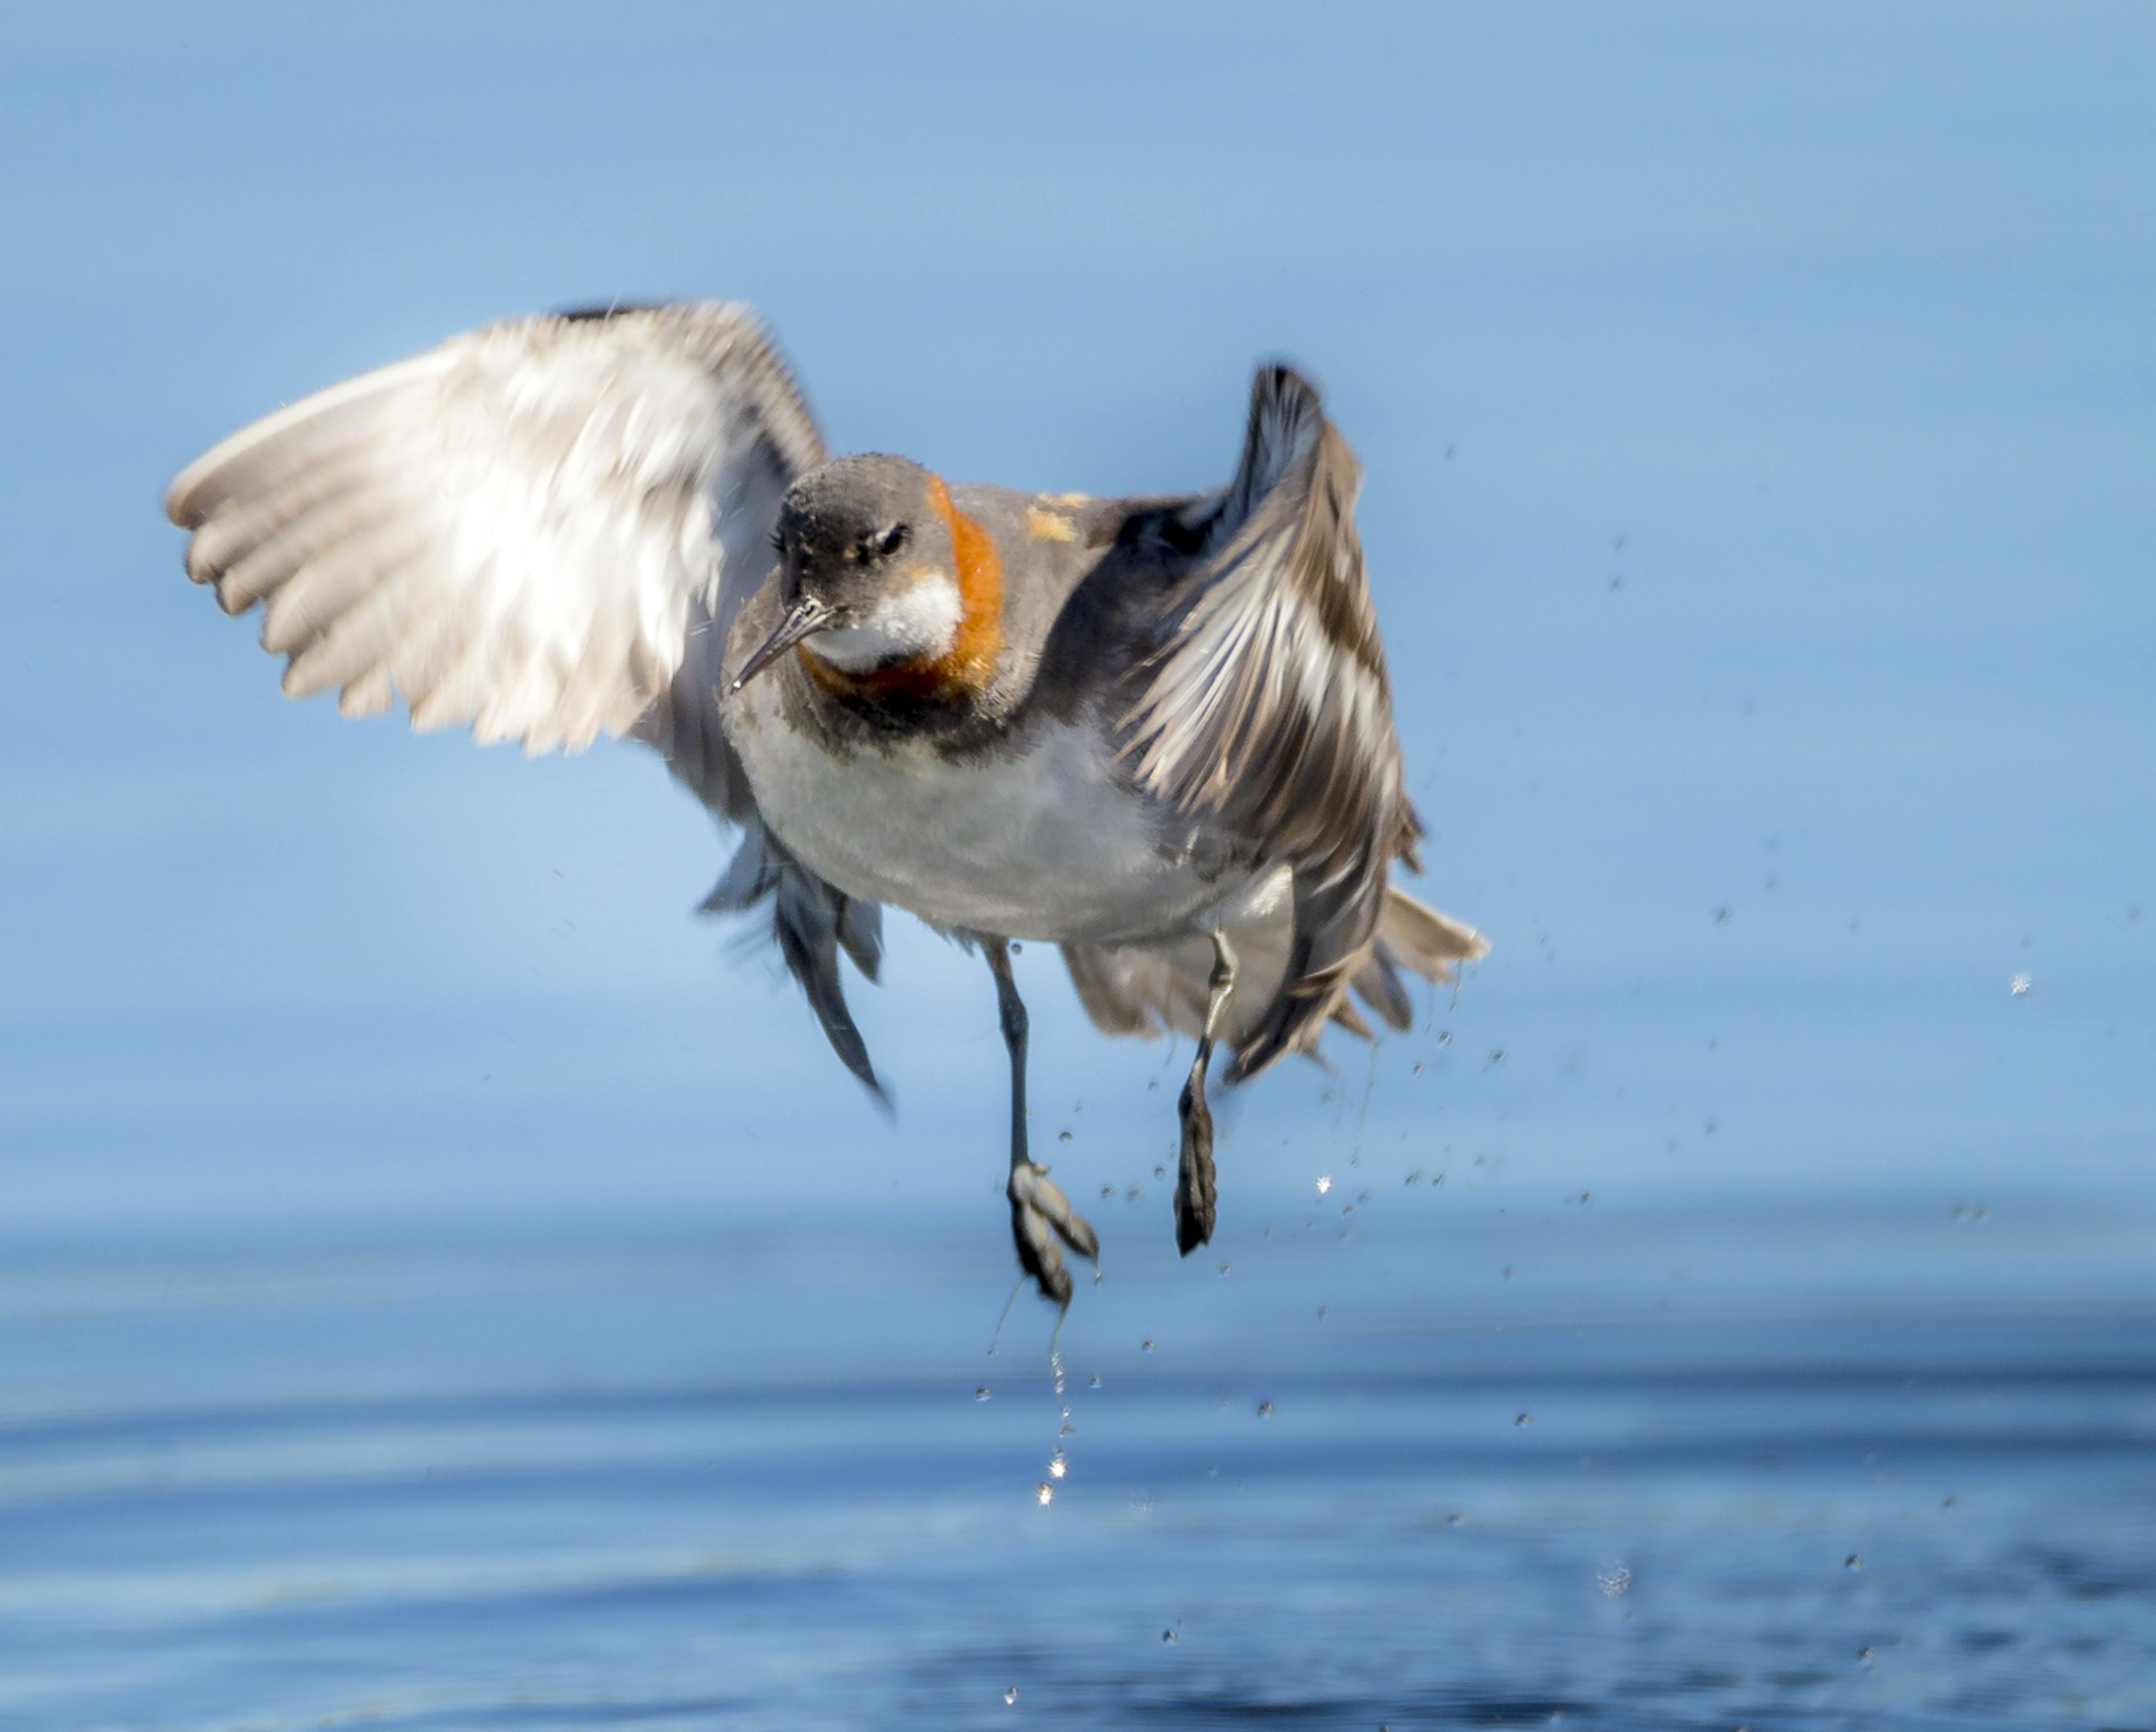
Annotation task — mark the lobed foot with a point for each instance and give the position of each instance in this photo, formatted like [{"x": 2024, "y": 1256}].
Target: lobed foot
[
  {"x": 1195, "y": 1197},
  {"x": 1041, "y": 1215}
]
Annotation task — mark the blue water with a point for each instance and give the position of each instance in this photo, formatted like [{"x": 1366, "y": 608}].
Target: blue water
[{"x": 1643, "y": 1473}]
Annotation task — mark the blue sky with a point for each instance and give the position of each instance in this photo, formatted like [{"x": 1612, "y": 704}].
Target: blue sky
[{"x": 1758, "y": 408}]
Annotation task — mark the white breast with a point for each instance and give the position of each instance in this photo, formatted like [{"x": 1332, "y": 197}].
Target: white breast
[{"x": 1039, "y": 846}]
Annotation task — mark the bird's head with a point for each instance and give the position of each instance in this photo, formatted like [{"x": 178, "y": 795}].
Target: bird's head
[{"x": 881, "y": 578}]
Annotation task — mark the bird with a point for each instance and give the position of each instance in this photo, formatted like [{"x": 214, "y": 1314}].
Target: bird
[{"x": 1155, "y": 730}]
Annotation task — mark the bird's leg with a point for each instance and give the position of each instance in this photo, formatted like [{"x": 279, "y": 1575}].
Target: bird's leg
[
  {"x": 1010, "y": 1009},
  {"x": 1040, "y": 1214},
  {"x": 1194, "y": 1192}
]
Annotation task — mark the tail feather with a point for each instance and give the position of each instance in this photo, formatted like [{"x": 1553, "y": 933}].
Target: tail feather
[
  {"x": 1149, "y": 990},
  {"x": 1417, "y": 935}
]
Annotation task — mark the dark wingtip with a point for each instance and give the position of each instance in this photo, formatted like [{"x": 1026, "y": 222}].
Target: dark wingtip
[
  {"x": 1286, "y": 418},
  {"x": 1278, "y": 378},
  {"x": 853, "y": 1054}
]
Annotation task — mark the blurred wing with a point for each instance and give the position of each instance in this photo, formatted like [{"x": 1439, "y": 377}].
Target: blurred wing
[
  {"x": 514, "y": 529},
  {"x": 544, "y": 528},
  {"x": 1267, "y": 703}
]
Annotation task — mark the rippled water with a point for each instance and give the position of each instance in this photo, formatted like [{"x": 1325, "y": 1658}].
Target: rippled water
[{"x": 1565, "y": 1466}]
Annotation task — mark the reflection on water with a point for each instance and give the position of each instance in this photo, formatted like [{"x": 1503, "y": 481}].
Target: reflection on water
[{"x": 1890, "y": 1470}]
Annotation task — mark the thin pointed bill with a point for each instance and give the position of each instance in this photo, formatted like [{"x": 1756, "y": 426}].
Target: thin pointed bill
[{"x": 803, "y": 619}]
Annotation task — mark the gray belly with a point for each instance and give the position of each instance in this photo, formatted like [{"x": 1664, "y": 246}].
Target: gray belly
[{"x": 1045, "y": 844}]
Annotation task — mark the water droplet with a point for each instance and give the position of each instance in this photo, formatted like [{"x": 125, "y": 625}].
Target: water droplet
[
  {"x": 1170, "y": 1637},
  {"x": 1010, "y": 1697},
  {"x": 1525, "y": 1419},
  {"x": 1043, "y": 1493},
  {"x": 1324, "y": 1311},
  {"x": 1093, "y": 1382},
  {"x": 1722, "y": 915},
  {"x": 1855, "y": 1560},
  {"x": 2020, "y": 985},
  {"x": 1160, "y": 1172},
  {"x": 1145, "y": 1346},
  {"x": 1225, "y": 1269},
  {"x": 1063, "y": 1136},
  {"x": 1444, "y": 1037},
  {"x": 982, "y": 1393},
  {"x": 1106, "y": 1192},
  {"x": 1865, "y": 1657},
  {"x": 1586, "y": 1197},
  {"x": 1946, "y": 1502},
  {"x": 1455, "y": 1520},
  {"x": 1497, "y": 1057},
  {"x": 1509, "y": 1272},
  {"x": 1412, "y": 1176},
  {"x": 1265, "y": 1410},
  {"x": 1324, "y": 1183},
  {"x": 1614, "y": 1582},
  {"x": 1058, "y": 1468}
]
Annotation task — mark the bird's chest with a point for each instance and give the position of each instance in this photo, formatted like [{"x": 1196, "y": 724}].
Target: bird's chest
[{"x": 1041, "y": 842}]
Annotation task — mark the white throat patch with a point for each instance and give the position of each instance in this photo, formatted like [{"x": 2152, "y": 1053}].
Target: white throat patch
[{"x": 921, "y": 619}]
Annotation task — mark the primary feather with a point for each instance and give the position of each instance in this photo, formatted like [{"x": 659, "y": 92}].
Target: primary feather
[
  {"x": 1267, "y": 705},
  {"x": 542, "y": 528}
]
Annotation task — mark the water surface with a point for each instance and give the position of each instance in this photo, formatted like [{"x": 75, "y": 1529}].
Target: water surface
[{"x": 1653, "y": 1477}]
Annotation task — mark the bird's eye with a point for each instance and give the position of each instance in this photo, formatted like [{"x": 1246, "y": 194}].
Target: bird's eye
[{"x": 882, "y": 544}]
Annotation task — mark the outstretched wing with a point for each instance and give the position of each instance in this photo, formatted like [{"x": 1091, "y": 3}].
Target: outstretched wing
[
  {"x": 1268, "y": 705},
  {"x": 543, "y": 528}
]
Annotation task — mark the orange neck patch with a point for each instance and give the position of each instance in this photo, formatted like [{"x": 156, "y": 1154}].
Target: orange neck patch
[{"x": 963, "y": 669}]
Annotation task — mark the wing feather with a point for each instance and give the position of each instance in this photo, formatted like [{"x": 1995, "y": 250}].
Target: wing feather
[
  {"x": 542, "y": 528},
  {"x": 1267, "y": 706}
]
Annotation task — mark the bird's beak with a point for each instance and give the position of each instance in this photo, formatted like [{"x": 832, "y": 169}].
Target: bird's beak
[{"x": 803, "y": 619}]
